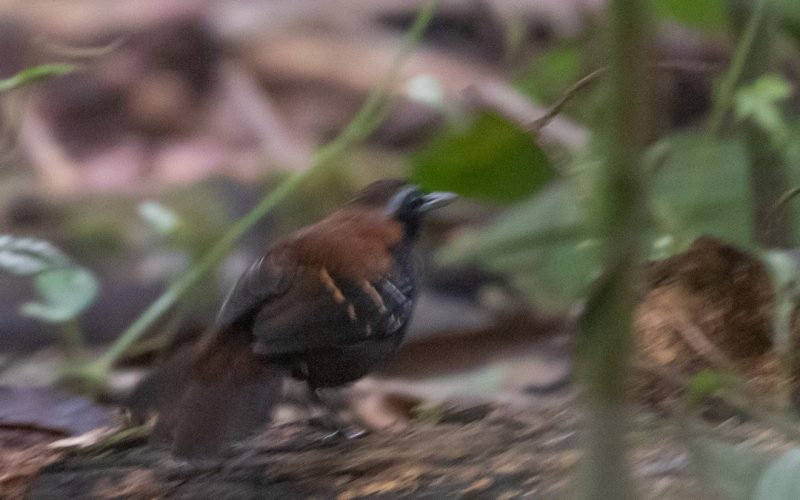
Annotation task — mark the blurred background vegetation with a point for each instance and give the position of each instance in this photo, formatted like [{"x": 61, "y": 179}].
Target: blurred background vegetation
[{"x": 629, "y": 167}]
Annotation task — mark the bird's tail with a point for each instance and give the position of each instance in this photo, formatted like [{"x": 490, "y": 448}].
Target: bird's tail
[{"x": 209, "y": 395}]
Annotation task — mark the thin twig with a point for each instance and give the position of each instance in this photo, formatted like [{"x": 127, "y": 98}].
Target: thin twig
[
  {"x": 518, "y": 108},
  {"x": 556, "y": 108},
  {"x": 66, "y": 50},
  {"x": 738, "y": 394},
  {"x": 784, "y": 200},
  {"x": 698, "y": 341}
]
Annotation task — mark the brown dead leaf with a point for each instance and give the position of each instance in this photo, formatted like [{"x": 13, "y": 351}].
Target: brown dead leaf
[
  {"x": 23, "y": 453},
  {"x": 136, "y": 484},
  {"x": 708, "y": 307},
  {"x": 479, "y": 485},
  {"x": 401, "y": 481}
]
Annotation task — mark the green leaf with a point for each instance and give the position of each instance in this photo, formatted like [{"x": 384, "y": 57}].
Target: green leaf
[
  {"x": 762, "y": 102},
  {"x": 703, "y": 188},
  {"x": 32, "y": 75},
  {"x": 490, "y": 159},
  {"x": 28, "y": 256},
  {"x": 733, "y": 470},
  {"x": 160, "y": 218},
  {"x": 710, "y": 15},
  {"x": 64, "y": 293},
  {"x": 541, "y": 245},
  {"x": 704, "y": 384},
  {"x": 64, "y": 289},
  {"x": 781, "y": 480}
]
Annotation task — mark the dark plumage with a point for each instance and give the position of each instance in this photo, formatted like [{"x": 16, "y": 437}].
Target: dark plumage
[{"x": 326, "y": 305}]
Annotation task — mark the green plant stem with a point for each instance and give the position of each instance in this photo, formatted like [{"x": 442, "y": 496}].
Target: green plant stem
[
  {"x": 732, "y": 79},
  {"x": 619, "y": 218},
  {"x": 768, "y": 174},
  {"x": 167, "y": 332},
  {"x": 371, "y": 114},
  {"x": 72, "y": 339},
  {"x": 766, "y": 160},
  {"x": 34, "y": 74}
]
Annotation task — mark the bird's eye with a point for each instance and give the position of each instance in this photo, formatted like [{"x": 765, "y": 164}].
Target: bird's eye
[
  {"x": 414, "y": 201},
  {"x": 404, "y": 200}
]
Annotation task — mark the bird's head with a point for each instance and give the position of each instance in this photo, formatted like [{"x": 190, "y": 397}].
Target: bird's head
[{"x": 402, "y": 201}]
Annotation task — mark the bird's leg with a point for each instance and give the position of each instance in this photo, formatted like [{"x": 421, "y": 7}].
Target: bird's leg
[{"x": 331, "y": 421}]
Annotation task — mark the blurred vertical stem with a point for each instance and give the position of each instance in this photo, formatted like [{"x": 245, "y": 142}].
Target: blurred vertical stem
[
  {"x": 768, "y": 170},
  {"x": 371, "y": 114},
  {"x": 741, "y": 59},
  {"x": 618, "y": 218},
  {"x": 757, "y": 26}
]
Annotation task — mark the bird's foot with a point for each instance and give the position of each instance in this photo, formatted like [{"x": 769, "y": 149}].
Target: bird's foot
[
  {"x": 348, "y": 433},
  {"x": 335, "y": 430}
]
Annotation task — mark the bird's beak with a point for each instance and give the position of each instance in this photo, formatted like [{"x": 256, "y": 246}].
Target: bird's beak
[{"x": 435, "y": 200}]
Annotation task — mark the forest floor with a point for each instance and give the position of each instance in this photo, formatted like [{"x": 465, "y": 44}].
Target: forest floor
[{"x": 519, "y": 454}]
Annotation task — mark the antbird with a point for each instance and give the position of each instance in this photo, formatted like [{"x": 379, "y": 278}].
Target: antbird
[{"x": 327, "y": 305}]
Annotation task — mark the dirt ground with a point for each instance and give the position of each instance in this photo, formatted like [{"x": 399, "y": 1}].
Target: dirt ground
[{"x": 520, "y": 454}]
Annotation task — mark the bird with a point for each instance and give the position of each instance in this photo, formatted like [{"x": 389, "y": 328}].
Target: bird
[{"x": 327, "y": 305}]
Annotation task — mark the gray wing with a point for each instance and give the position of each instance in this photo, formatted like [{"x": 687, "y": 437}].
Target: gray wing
[
  {"x": 267, "y": 278},
  {"x": 320, "y": 310}
]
